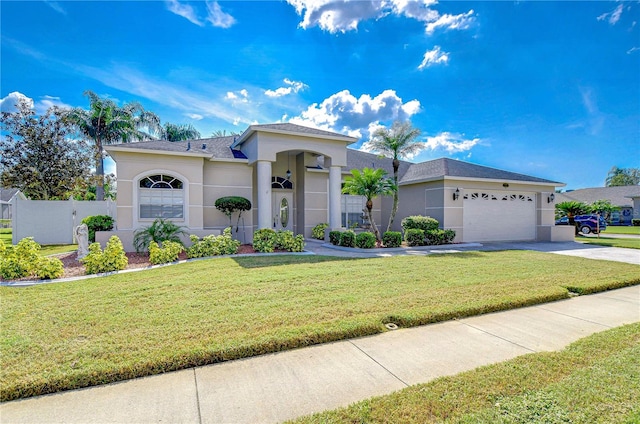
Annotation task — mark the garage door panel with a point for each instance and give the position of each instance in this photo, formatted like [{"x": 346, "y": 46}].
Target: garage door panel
[{"x": 497, "y": 215}]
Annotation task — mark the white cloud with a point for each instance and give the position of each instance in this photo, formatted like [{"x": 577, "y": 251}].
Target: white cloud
[
  {"x": 343, "y": 112},
  {"x": 633, "y": 49},
  {"x": 184, "y": 10},
  {"x": 291, "y": 87},
  {"x": 612, "y": 17},
  {"x": 345, "y": 15},
  {"x": 194, "y": 116},
  {"x": 49, "y": 101},
  {"x": 452, "y": 143},
  {"x": 217, "y": 17},
  {"x": 434, "y": 57},
  {"x": 240, "y": 96},
  {"x": 55, "y": 6},
  {"x": 461, "y": 21},
  {"x": 8, "y": 104}
]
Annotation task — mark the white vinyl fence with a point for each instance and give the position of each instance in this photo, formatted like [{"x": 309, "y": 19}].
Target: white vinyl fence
[{"x": 52, "y": 221}]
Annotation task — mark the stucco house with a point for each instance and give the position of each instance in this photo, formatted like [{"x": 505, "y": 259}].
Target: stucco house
[
  {"x": 293, "y": 175},
  {"x": 626, "y": 198}
]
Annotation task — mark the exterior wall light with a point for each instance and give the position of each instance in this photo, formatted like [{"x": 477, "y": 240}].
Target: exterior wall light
[
  {"x": 288, "y": 174},
  {"x": 551, "y": 198},
  {"x": 456, "y": 194}
]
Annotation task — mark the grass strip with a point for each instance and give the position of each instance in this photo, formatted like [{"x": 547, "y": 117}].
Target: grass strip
[
  {"x": 628, "y": 243},
  {"x": 594, "y": 380},
  {"x": 69, "y": 335},
  {"x": 622, "y": 230}
]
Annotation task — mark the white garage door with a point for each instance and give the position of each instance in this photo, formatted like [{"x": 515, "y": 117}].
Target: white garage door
[{"x": 499, "y": 215}]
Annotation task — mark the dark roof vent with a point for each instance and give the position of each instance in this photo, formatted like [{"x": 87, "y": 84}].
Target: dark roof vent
[
  {"x": 204, "y": 146},
  {"x": 188, "y": 146}
]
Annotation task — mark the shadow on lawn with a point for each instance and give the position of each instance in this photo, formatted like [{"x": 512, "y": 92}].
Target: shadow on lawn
[{"x": 277, "y": 260}]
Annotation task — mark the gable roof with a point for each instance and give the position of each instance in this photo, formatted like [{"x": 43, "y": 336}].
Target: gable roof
[
  {"x": 6, "y": 194},
  {"x": 293, "y": 129},
  {"x": 618, "y": 196},
  {"x": 214, "y": 147}
]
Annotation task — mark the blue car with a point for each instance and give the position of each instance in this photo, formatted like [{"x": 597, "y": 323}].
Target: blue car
[{"x": 587, "y": 224}]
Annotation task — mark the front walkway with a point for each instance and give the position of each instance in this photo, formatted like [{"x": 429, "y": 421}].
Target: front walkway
[{"x": 286, "y": 385}]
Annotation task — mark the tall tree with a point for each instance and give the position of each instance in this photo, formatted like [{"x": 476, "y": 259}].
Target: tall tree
[
  {"x": 178, "y": 132},
  {"x": 223, "y": 133},
  {"x": 107, "y": 123},
  {"x": 37, "y": 156},
  {"x": 369, "y": 183},
  {"x": 622, "y": 177},
  {"x": 396, "y": 143}
]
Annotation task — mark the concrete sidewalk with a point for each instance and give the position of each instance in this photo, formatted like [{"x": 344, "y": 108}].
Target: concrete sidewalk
[{"x": 276, "y": 387}]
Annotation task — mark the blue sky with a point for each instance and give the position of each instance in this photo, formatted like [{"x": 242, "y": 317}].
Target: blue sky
[{"x": 550, "y": 89}]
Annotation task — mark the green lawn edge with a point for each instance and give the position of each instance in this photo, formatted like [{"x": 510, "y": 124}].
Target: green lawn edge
[
  {"x": 285, "y": 340},
  {"x": 626, "y": 243},
  {"x": 593, "y": 380}
]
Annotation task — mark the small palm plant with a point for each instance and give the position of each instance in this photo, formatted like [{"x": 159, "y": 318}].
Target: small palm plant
[{"x": 159, "y": 231}]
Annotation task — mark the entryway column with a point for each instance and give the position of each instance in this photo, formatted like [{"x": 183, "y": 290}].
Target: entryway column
[
  {"x": 335, "y": 188},
  {"x": 264, "y": 194}
]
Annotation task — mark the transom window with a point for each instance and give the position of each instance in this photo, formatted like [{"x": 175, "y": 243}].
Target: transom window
[{"x": 161, "y": 196}]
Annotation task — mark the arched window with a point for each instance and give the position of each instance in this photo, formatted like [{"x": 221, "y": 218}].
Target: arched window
[{"x": 161, "y": 196}]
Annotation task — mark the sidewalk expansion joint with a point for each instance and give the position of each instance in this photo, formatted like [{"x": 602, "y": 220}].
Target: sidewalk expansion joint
[
  {"x": 498, "y": 337},
  {"x": 195, "y": 380},
  {"x": 574, "y": 317},
  {"x": 381, "y": 366}
]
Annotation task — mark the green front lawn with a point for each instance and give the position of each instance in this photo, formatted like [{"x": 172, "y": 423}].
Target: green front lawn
[
  {"x": 6, "y": 236},
  {"x": 628, "y": 243},
  {"x": 69, "y": 335},
  {"x": 622, "y": 230},
  {"x": 594, "y": 380}
]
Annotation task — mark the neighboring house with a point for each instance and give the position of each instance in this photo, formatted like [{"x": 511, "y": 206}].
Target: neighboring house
[
  {"x": 6, "y": 196},
  {"x": 626, "y": 198},
  {"x": 293, "y": 176}
]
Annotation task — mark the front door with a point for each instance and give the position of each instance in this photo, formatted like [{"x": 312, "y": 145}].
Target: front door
[{"x": 282, "y": 210}]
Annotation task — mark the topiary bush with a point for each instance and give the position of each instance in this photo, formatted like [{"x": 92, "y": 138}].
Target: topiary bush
[
  {"x": 347, "y": 239},
  {"x": 97, "y": 223},
  {"x": 418, "y": 222},
  {"x": 334, "y": 237},
  {"x": 167, "y": 253},
  {"x": 365, "y": 240},
  {"x": 24, "y": 260},
  {"x": 112, "y": 259},
  {"x": 264, "y": 240},
  {"x": 223, "y": 244},
  {"x": 414, "y": 237},
  {"x": 392, "y": 239},
  {"x": 230, "y": 204},
  {"x": 160, "y": 230},
  {"x": 438, "y": 237},
  {"x": 635, "y": 222},
  {"x": 318, "y": 231}
]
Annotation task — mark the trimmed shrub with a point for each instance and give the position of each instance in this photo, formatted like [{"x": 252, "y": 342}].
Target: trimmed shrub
[
  {"x": 264, "y": 240},
  {"x": 365, "y": 240},
  {"x": 223, "y": 244},
  {"x": 49, "y": 268},
  {"x": 392, "y": 239},
  {"x": 112, "y": 259},
  {"x": 285, "y": 240},
  {"x": 414, "y": 237},
  {"x": 97, "y": 223},
  {"x": 160, "y": 230},
  {"x": 167, "y": 253},
  {"x": 230, "y": 204},
  {"x": 24, "y": 260},
  {"x": 318, "y": 231},
  {"x": 334, "y": 237},
  {"x": 347, "y": 239},
  {"x": 418, "y": 222},
  {"x": 635, "y": 222}
]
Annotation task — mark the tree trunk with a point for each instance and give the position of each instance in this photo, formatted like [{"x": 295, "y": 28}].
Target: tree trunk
[
  {"x": 394, "y": 209},
  {"x": 99, "y": 171},
  {"x": 371, "y": 221}
]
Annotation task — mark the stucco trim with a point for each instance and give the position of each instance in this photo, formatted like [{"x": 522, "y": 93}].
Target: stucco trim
[
  {"x": 488, "y": 180},
  {"x": 157, "y": 152},
  {"x": 256, "y": 129}
]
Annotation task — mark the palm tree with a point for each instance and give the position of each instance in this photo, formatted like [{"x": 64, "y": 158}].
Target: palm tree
[
  {"x": 178, "y": 132},
  {"x": 571, "y": 209},
  {"x": 369, "y": 183},
  {"x": 223, "y": 133},
  {"x": 397, "y": 142},
  {"x": 107, "y": 123}
]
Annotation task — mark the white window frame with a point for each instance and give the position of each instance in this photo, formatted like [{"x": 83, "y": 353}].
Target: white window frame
[
  {"x": 352, "y": 205},
  {"x": 138, "y": 192}
]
